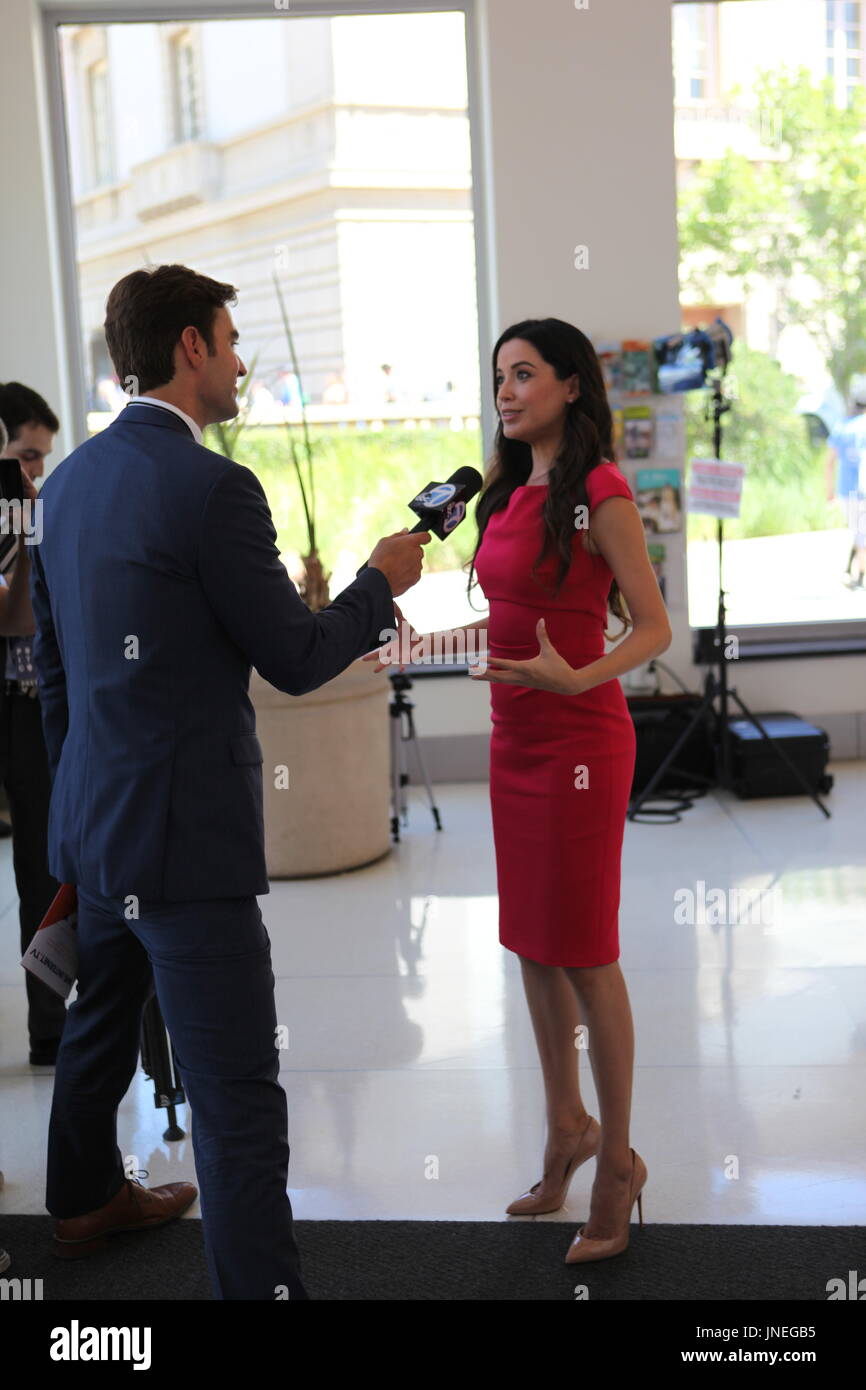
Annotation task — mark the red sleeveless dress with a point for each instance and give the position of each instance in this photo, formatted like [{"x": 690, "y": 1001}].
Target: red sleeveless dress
[{"x": 561, "y": 767}]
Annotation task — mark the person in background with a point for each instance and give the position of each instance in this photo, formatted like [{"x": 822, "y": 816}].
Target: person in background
[
  {"x": 287, "y": 390},
  {"x": 335, "y": 392},
  {"x": 31, "y": 426},
  {"x": 846, "y": 479}
]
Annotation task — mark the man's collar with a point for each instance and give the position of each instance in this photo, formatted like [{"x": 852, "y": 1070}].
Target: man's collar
[{"x": 194, "y": 427}]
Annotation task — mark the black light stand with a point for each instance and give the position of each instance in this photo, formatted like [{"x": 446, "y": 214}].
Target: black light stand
[{"x": 716, "y": 683}]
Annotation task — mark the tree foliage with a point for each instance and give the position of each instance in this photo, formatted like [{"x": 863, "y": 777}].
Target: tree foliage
[
  {"x": 796, "y": 216},
  {"x": 783, "y": 488}
]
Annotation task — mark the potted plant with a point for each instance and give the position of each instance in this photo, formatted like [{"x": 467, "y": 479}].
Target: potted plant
[{"x": 326, "y": 764}]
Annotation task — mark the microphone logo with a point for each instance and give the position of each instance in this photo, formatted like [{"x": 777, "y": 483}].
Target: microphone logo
[{"x": 436, "y": 497}]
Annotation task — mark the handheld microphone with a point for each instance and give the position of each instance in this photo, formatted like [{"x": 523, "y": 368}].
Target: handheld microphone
[{"x": 442, "y": 506}]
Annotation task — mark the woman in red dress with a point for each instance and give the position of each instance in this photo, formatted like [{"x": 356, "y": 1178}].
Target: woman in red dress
[{"x": 560, "y": 541}]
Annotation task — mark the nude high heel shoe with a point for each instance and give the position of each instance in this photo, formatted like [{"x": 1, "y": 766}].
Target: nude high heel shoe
[
  {"x": 530, "y": 1205},
  {"x": 584, "y": 1248}
]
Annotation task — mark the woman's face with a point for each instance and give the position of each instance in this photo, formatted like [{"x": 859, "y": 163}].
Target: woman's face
[{"x": 530, "y": 397}]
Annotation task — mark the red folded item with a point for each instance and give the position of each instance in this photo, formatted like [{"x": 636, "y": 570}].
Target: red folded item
[{"x": 52, "y": 955}]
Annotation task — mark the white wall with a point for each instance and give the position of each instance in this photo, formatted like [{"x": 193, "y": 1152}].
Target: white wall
[
  {"x": 578, "y": 111},
  {"x": 32, "y": 345}
]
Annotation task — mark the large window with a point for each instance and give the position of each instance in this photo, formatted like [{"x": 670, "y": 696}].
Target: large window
[
  {"x": 334, "y": 155},
  {"x": 184, "y": 87},
  {"x": 844, "y": 47},
  {"x": 772, "y": 207},
  {"x": 695, "y": 53},
  {"x": 99, "y": 122}
]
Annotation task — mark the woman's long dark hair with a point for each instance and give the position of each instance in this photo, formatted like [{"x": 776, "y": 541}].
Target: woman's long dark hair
[{"x": 587, "y": 440}]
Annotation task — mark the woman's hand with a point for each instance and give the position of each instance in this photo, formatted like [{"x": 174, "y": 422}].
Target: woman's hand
[
  {"x": 547, "y": 671},
  {"x": 383, "y": 656}
]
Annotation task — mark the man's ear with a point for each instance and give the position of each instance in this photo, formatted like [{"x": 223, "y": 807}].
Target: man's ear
[{"x": 192, "y": 348}]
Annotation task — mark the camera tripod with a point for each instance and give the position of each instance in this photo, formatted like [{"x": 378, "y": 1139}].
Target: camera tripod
[
  {"x": 403, "y": 732},
  {"x": 159, "y": 1063}
]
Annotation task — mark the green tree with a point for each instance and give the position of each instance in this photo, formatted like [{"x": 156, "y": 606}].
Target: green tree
[
  {"x": 796, "y": 217},
  {"x": 783, "y": 488}
]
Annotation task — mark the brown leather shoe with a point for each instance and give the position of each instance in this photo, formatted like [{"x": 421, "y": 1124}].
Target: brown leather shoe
[{"x": 134, "y": 1208}]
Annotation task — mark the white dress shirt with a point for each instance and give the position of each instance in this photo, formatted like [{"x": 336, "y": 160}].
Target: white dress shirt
[{"x": 152, "y": 400}]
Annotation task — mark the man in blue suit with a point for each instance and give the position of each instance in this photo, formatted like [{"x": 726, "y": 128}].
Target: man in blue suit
[{"x": 157, "y": 585}]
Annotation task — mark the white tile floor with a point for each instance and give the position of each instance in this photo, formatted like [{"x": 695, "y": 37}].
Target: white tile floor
[{"x": 413, "y": 1083}]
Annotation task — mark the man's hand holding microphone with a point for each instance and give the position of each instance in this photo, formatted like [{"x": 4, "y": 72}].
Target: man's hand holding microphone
[
  {"x": 399, "y": 558},
  {"x": 441, "y": 507}
]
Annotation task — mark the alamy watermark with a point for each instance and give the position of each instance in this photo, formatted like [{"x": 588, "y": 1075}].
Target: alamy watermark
[
  {"x": 702, "y": 906},
  {"x": 449, "y": 647},
  {"x": 21, "y": 518}
]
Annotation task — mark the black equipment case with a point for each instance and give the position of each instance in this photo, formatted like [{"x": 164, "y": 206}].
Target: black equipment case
[{"x": 756, "y": 768}]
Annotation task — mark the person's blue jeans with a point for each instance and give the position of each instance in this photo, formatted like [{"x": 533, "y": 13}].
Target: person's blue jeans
[{"x": 211, "y": 965}]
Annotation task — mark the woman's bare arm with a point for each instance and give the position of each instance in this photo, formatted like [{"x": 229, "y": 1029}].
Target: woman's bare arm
[
  {"x": 466, "y": 627},
  {"x": 619, "y": 534}
]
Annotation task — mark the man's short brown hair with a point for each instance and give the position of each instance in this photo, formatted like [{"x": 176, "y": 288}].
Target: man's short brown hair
[{"x": 147, "y": 311}]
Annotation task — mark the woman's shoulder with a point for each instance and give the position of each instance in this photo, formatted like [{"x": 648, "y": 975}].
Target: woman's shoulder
[{"x": 607, "y": 480}]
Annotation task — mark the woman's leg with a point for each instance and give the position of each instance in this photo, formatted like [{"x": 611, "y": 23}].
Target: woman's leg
[
  {"x": 553, "y": 1008},
  {"x": 605, "y": 1007}
]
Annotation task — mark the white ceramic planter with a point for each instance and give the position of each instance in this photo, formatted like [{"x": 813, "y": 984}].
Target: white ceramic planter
[{"x": 334, "y": 743}]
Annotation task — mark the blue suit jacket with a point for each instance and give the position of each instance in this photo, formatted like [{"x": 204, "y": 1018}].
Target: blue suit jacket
[{"x": 157, "y": 585}]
